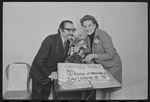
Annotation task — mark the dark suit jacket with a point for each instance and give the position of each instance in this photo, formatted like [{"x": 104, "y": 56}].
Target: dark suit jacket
[{"x": 50, "y": 53}]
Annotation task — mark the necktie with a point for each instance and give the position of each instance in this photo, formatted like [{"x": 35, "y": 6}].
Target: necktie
[{"x": 65, "y": 47}]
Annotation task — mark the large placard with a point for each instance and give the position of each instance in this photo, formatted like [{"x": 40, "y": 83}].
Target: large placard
[{"x": 72, "y": 72}]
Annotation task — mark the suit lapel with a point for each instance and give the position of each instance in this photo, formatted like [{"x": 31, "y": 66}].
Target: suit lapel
[
  {"x": 62, "y": 47},
  {"x": 95, "y": 37},
  {"x": 88, "y": 41},
  {"x": 66, "y": 49},
  {"x": 60, "y": 43}
]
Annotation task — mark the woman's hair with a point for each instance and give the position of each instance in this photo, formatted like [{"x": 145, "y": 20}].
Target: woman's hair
[{"x": 89, "y": 17}]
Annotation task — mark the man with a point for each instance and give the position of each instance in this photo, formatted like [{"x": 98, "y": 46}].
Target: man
[{"x": 44, "y": 66}]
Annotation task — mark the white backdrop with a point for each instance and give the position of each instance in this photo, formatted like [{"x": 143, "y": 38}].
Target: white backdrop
[{"x": 26, "y": 24}]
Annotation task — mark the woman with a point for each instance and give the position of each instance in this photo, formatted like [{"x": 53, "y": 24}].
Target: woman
[{"x": 102, "y": 51}]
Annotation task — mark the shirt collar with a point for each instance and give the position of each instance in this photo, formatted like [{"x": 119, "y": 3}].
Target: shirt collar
[{"x": 63, "y": 40}]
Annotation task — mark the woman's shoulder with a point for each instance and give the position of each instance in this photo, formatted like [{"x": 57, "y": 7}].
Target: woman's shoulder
[{"x": 102, "y": 33}]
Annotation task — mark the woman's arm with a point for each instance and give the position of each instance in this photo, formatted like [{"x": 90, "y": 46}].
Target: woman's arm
[{"x": 108, "y": 47}]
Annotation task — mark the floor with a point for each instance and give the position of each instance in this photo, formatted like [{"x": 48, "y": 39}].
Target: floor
[{"x": 135, "y": 96}]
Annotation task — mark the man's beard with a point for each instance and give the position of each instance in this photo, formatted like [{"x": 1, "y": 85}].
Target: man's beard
[{"x": 70, "y": 37}]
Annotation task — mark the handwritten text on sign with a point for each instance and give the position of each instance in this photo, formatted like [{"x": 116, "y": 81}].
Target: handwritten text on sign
[{"x": 82, "y": 72}]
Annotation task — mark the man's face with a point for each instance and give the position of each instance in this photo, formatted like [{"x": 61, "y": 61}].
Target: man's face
[{"x": 68, "y": 30}]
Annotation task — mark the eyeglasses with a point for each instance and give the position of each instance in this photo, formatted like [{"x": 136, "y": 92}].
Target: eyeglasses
[{"x": 69, "y": 29}]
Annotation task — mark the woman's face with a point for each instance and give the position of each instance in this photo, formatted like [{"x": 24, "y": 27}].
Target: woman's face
[{"x": 89, "y": 27}]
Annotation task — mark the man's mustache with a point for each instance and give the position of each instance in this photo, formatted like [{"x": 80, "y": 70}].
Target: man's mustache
[{"x": 70, "y": 35}]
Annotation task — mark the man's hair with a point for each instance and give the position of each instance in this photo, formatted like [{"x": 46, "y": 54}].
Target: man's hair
[
  {"x": 89, "y": 17},
  {"x": 62, "y": 24}
]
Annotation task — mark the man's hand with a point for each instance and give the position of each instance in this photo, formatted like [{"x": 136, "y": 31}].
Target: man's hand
[{"x": 53, "y": 75}]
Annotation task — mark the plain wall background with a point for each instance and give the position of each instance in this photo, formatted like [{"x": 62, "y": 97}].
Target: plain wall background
[{"x": 26, "y": 24}]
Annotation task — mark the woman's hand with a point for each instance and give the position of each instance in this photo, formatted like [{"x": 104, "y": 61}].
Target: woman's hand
[{"x": 89, "y": 57}]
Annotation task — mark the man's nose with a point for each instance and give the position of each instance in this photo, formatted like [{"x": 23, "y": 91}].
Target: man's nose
[
  {"x": 71, "y": 32},
  {"x": 86, "y": 28}
]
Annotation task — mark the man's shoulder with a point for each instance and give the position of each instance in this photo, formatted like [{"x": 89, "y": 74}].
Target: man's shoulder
[{"x": 51, "y": 36}]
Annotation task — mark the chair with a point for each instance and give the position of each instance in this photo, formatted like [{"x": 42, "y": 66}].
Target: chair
[{"x": 18, "y": 77}]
